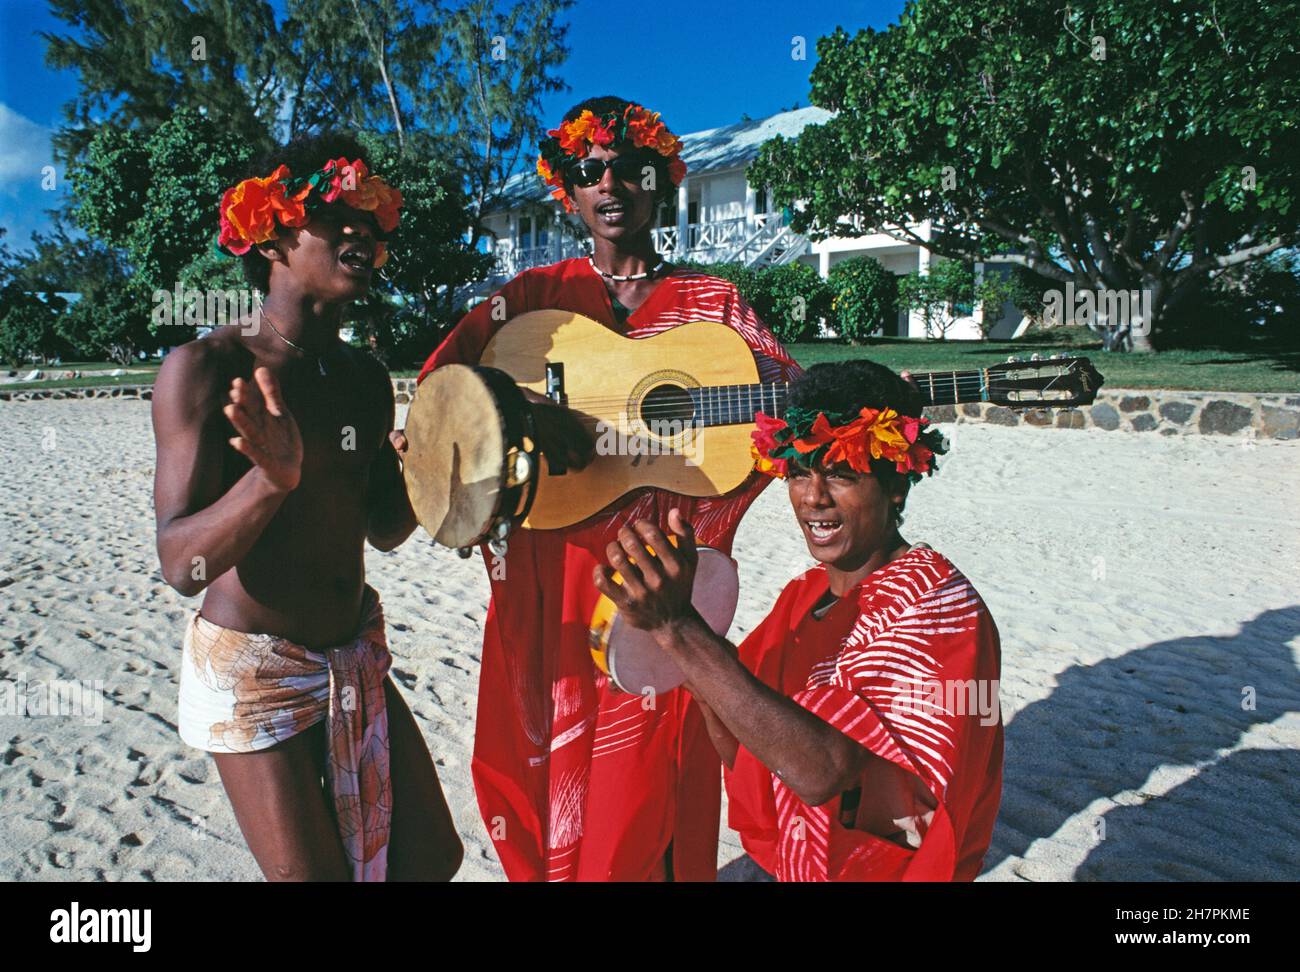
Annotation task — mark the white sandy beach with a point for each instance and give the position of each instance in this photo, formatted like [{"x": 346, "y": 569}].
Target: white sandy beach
[{"x": 1145, "y": 588}]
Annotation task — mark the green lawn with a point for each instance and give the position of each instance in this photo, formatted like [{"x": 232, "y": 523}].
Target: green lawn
[
  {"x": 1261, "y": 370},
  {"x": 142, "y": 373}
]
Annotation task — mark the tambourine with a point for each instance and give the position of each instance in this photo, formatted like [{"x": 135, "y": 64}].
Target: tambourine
[{"x": 632, "y": 658}]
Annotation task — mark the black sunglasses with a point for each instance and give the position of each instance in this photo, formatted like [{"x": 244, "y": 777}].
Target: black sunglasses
[{"x": 588, "y": 172}]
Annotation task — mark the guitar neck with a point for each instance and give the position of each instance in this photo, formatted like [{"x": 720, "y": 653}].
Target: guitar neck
[{"x": 736, "y": 404}]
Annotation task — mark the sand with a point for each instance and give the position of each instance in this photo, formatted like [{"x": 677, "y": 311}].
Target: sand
[{"x": 1145, "y": 588}]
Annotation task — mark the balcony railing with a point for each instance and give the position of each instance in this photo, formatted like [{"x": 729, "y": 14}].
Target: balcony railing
[
  {"x": 740, "y": 239},
  {"x": 512, "y": 260}
]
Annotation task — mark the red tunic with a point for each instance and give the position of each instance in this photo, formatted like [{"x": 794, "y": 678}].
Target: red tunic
[
  {"x": 576, "y": 780},
  {"x": 906, "y": 664}
]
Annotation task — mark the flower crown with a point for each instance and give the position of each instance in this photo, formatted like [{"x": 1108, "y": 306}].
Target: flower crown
[
  {"x": 574, "y": 139},
  {"x": 252, "y": 210},
  {"x": 873, "y": 434}
]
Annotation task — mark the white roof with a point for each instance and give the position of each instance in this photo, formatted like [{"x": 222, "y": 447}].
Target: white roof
[{"x": 704, "y": 151}]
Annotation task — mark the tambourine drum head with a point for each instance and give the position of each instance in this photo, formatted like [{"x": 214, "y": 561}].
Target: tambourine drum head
[
  {"x": 636, "y": 661},
  {"x": 455, "y": 455}
]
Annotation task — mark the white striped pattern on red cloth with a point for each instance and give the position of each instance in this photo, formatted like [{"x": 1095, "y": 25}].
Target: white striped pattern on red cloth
[{"x": 884, "y": 654}]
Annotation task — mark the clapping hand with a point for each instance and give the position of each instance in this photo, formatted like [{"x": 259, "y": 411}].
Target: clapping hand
[
  {"x": 656, "y": 587},
  {"x": 268, "y": 433}
]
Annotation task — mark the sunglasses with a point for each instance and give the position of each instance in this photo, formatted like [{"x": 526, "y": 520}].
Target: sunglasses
[{"x": 588, "y": 172}]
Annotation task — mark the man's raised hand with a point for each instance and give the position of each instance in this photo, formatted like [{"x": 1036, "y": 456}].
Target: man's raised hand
[
  {"x": 268, "y": 433},
  {"x": 656, "y": 588}
]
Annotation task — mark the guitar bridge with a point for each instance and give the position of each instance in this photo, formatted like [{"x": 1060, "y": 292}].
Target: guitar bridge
[{"x": 555, "y": 392}]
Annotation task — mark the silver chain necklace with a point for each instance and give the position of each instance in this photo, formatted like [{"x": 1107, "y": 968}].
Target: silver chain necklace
[{"x": 623, "y": 277}]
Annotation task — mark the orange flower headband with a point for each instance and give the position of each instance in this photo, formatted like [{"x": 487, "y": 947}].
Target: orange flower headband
[
  {"x": 252, "y": 210},
  {"x": 873, "y": 434},
  {"x": 574, "y": 139}
]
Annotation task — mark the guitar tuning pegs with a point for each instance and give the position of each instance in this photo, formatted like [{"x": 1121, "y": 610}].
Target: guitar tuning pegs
[
  {"x": 1014, "y": 359},
  {"x": 1035, "y": 357}
]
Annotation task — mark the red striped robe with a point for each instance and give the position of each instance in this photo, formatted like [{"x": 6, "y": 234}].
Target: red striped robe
[
  {"x": 891, "y": 666},
  {"x": 575, "y": 780}
]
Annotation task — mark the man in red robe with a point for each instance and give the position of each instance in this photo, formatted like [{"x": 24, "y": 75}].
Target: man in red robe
[
  {"x": 859, "y": 722},
  {"x": 575, "y": 779}
]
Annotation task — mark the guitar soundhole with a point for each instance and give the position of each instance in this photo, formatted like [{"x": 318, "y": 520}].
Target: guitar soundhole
[{"x": 667, "y": 404}]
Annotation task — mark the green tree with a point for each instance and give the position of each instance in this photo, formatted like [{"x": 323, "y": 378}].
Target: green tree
[
  {"x": 471, "y": 75},
  {"x": 138, "y": 60},
  {"x": 29, "y": 325},
  {"x": 950, "y": 291},
  {"x": 1120, "y": 145},
  {"x": 418, "y": 296},
  {"x": 153, "y": 195},
  {"x": 503, "y": 61},
  {"x": 109, "y": 316},
  {"x": 865, "y": 297}
]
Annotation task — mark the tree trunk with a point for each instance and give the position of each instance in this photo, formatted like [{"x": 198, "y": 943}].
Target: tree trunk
[{"x": 1143, "y": 329}]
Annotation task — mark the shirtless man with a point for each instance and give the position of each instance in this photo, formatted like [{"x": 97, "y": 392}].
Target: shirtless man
[{"x": 275, "y": 465}]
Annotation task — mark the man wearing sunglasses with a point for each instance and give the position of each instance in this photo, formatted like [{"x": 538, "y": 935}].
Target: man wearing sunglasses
[{"x": 576, "y": 780}]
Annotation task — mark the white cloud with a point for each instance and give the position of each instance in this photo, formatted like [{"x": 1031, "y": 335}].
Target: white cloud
[
  {"x": 24, "y": 148},
  {"x": 24, "y": 152}
]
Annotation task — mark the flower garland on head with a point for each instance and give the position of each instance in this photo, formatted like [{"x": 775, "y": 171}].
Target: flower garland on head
[
  {"x": 574, "y": 139},
  {"x": 872, "y": 434},
  {"x": 253, "y": 210}
]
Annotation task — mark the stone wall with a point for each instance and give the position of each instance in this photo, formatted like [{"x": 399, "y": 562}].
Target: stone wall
[
  {"x": 1131, "y": 410},
  {"x": 1151, "y": 410},
  {"x": 102, "y": 391}
]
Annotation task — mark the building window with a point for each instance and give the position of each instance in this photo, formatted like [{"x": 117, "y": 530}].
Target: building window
[
  {"x": 760, "y": 199},
  {"x": 525, "y": 231}
]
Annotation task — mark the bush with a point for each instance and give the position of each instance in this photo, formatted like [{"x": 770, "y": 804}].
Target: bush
[
  {"x": 865, "y": 298},
  {"x": 740, "y": 275},
  {"x": 790, "y": 298}
]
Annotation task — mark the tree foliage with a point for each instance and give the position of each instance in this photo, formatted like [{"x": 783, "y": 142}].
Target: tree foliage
[
  {"x": 1120, "y": 145},
  {"x": 950, "y": 290},
  {"x": 865, "y": 298},
  {"x": 174, "y": 96},
  {"x": 109, "y": 316}
]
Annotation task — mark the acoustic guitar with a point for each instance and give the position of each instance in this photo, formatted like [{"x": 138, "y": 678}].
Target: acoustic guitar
[{"x": 686, "y": 428}]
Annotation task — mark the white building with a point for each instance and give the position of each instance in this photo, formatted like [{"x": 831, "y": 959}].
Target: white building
[{"x": 718, "y": 218}]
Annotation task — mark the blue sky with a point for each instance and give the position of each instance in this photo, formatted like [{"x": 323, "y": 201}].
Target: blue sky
[{"x": 698, "y": 63}]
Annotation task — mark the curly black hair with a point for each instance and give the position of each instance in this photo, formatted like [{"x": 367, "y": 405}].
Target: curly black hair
[
  {"x": 850, "y": 386},
  {"x": 303, "y": 155},
  {"x": 665, "y": 191},
  {"x": 845, "y": 387}
]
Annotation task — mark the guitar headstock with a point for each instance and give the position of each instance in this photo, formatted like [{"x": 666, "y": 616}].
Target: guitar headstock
[{"x": 1057, "y": 382}]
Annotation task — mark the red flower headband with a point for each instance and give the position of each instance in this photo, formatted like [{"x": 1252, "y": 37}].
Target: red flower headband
[
  {"x": 252, "y": 210},
  {"x": 574, "y": 139},
  {"x": 873, "y": 434}
]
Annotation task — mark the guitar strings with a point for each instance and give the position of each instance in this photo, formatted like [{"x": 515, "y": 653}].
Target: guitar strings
[{"x": 779, "y": 389}]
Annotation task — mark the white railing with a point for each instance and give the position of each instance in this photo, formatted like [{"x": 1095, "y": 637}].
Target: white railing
[
  {"x": 710, "y": 242},
  {"x": 760, "y": 240},
  {"x": 752, "y": 249},
  {"x": 511, "y": 261},
  {"x": 665, "y": 240},
  {"x": 792, "y": 245}
]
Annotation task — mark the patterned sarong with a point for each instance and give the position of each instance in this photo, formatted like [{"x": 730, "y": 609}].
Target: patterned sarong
[{"x": 241, "y": 693}]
